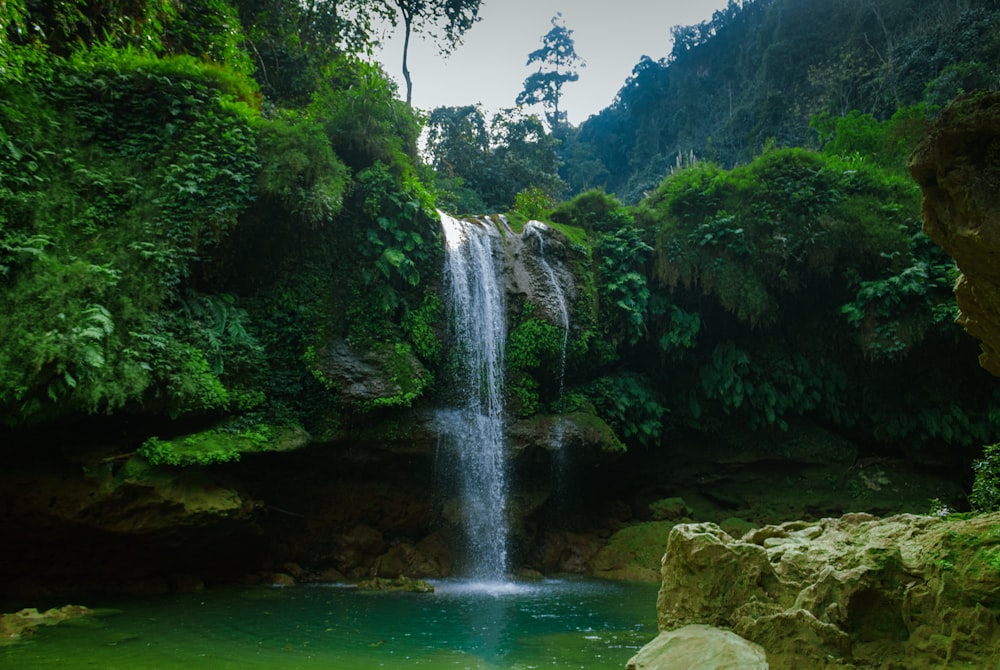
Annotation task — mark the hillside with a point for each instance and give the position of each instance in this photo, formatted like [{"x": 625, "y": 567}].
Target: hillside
[{"x": 755, "y": 75}]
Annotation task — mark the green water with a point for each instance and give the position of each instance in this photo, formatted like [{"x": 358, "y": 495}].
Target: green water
[{"x": 550, "y": 624}]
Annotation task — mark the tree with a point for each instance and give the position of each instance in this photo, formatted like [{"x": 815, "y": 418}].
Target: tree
[
  {"x": 558, "y": 63},
  {"x": 453, "y": 17},
  {"x": 483, "y": 165}
]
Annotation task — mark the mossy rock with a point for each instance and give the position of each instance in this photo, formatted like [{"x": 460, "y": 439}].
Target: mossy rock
[
  {"x": 633, "y": 553},
  {"x": 14, "y": 626},
  {"x": 222, "y": 444},
  {"x": 376, "y": 375},
  {"x": 582, "y": 433},
  {"x": 670, "y": 509},
  {"x": 401, "y": 583}
]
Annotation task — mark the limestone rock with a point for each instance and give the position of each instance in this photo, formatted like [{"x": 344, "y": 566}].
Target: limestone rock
[
  {"x": 401, "y": 583},
  {"x": 698, "y": 647},
  {"x": 958, "y": 168},
  {"x": 903, "y": 592},
  {"x": 740, "y": 572},
  {"x": 24, "y": 622},
  {"x": 564, "y": 551}
]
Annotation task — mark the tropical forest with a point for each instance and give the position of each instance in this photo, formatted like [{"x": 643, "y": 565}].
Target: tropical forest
[{"x": 296, "y": 375}]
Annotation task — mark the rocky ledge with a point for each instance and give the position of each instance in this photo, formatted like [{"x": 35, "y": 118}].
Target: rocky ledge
[
  {"x": 958, "y": 168},
  {"x": 902, "y": 592}
]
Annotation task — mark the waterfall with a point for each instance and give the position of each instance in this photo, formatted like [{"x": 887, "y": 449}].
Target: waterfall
[
  {"x": 534, "y": 228},
  {"x": 475, "y": 428},
  {"x": 557, "y": 437}
]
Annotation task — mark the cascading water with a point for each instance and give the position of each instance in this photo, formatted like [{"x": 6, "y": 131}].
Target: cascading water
[
  {"x": 533, "y": 228},
  {"x": 475, "y": 429},
  {"x": 559, "y": 483}
]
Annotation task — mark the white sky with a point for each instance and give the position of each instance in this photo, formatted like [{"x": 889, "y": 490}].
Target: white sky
[{"x": 489, "y": 68}]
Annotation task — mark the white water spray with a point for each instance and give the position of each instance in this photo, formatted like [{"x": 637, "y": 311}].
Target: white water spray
[{"x": 475, "y": 428}]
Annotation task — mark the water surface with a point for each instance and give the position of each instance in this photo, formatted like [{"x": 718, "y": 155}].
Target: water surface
[{"x": 549, "y": 624}]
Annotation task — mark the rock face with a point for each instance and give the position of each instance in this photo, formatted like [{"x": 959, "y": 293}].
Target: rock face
[
  {"x": 904, "y": 592},
  {"x": 535, "y": 268},
  {"x": 958, "y": 167}
]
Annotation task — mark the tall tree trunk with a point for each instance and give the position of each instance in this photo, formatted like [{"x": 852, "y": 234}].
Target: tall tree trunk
[{"x": 407, "y": 22}]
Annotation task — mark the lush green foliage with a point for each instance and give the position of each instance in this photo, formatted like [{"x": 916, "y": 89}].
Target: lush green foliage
[
  {"x": 179, "y": 239},
  {"x": 300, "y": 169},
  {"x": 796, "y": 286},
  {"x": 357, "y": 108},
  {"x": 783, "y": 222},
  {"x": 629, "y": 404},
  {"x": 481, "y": 166},
  {"x": 292, "y": 42},
  {"x": 621, "y": 285},
  {"x": 202, "y": 449},
  {"x": 207, "y": 29},
  {"x": 533, "y": 354},
  {"x": 758, "y": 71},
  {"x": 985, "y": 495},
  {"x": 125, "y": 178},
  {"x": 405, "y": 236},
  {"x": 593, "y": 210},
  {"x": 889, "y": 143},
  {"x": 120, "y": 174}
]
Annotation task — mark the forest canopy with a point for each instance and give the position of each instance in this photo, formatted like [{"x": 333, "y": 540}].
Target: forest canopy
[{"x": 203, "y": 205}]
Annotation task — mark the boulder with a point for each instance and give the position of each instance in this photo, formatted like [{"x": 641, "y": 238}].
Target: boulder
[
  {"x": 16, "y": 625},
  {"x": 405, "y": 558},
  {"x": 632, "y": 553},
  {"x": 401, "y": 583},
  {"x": 697, "y": 647},
  {"x": 582, "y": 433},
  {"x": 958, "y": 168},
  {"x": 382, "y": 375},
  {"x": 902, "y": 592},
  {"x": 670, "y": 509}
]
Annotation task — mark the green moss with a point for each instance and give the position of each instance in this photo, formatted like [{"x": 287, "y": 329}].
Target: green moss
[
  {"x": 404, "y": 371},
  {"x": 197, "y": 449},
  {"x": 575, "y": 235},
  {"x": 990, "y": 557},
  {"x": 534, "y": 344},
  {"x": 222, "y": 444},
  {"x": 634, "y": 552},
  {"x": 596, "y": 429},
  {"x": 423, "y": 326},
  {"x": 523, "y": 399}
]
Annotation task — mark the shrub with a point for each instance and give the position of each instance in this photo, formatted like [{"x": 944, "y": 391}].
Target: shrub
[{"x": 985, "y": 496}]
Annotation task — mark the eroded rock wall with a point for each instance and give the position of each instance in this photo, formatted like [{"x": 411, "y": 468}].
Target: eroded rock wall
[{"x": 958, "y": 168}]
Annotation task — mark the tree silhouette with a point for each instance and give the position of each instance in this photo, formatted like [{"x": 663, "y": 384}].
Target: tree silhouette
[
  {"x": 557, "y": 64},
  {"x": 445, "y": 20}
]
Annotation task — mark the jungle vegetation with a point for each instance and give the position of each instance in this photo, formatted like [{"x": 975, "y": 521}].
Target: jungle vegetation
[{"x": 196, "y": 200}]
